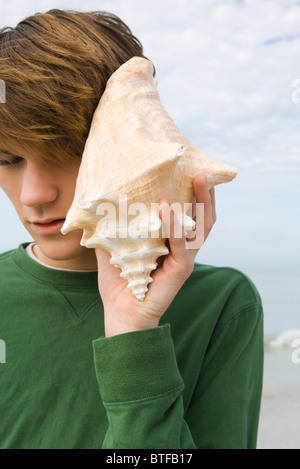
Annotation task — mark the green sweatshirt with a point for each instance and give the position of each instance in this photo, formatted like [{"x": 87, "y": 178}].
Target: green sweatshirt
[{"x": 193, "y": 382}]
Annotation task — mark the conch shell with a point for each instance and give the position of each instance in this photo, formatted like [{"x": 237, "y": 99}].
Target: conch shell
[{"x": 135, "y": 155}]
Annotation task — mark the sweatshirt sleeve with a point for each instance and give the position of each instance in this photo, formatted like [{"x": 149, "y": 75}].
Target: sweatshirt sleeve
[
  {"x": 224, "y": 412},
  {"x": 141, "y": 387}
]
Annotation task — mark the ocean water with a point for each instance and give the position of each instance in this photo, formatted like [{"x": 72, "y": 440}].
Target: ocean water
[
  {"x": 280, "y": 410},
  {"x": 280, "y": 292}
]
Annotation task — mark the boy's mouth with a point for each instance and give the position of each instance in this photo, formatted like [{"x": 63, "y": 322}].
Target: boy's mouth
[{"x": 48, "y": 226}]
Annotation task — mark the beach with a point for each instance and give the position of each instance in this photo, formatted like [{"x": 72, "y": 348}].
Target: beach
[{"x": 280, "y": 410}]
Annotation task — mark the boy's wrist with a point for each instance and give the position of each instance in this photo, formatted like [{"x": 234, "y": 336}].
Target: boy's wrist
[{"x": 117, "y": 327}]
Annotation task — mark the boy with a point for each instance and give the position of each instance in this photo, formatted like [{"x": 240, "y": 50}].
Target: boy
[{"x": 88, "y": 365}]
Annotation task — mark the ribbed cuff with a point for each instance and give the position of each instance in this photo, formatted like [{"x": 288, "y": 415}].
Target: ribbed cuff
[{"x": 136, "y": 365}]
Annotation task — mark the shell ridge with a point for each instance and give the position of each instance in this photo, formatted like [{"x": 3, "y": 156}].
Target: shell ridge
[{"x": 175, "y": 150}]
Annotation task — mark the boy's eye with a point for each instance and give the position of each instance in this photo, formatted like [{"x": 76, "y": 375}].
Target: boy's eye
[{"x": 14, "y": 160}]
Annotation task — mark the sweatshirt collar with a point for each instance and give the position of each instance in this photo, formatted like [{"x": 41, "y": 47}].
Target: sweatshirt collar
[{"x": 43, "y": 273}]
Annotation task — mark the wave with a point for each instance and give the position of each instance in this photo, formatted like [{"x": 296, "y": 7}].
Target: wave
[{"x": 288, "y": 338}]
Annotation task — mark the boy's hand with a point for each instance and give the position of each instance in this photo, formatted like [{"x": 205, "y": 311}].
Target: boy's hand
[{"x": 122, "y": 311}]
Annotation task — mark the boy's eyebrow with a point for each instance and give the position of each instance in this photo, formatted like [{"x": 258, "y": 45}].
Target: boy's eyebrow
[{"x": 5, "y": 152}]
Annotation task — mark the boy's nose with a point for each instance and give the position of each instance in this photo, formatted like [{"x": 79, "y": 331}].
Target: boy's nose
[{"x": 38, "y": 185}]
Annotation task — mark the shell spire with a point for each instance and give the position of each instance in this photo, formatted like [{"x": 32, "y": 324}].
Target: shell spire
[{"x": 134, "y": 155}]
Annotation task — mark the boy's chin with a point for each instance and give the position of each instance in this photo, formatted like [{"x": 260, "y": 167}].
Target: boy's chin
[{"x": 65, "y": 251}]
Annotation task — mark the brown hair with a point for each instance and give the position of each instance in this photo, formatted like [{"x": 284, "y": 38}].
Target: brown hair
[{"x": 55, "y": 66}]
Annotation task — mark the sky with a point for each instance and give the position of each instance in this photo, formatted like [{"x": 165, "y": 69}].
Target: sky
[{"x": 228, "y": 73}]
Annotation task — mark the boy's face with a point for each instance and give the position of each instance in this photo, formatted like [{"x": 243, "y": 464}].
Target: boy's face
[{"x": 42, "y": 194}]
